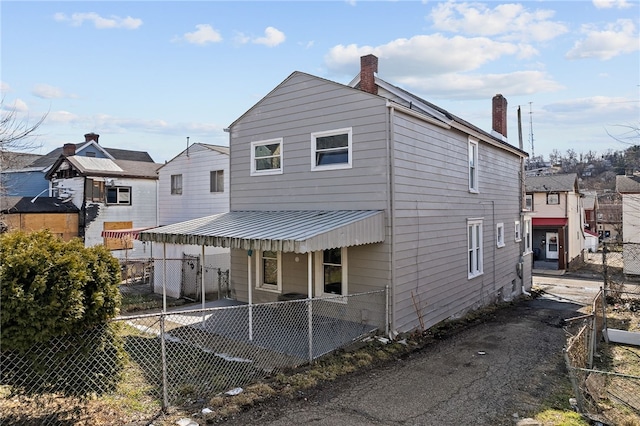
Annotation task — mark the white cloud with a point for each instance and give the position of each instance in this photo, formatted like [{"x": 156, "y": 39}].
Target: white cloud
[
  {"x": 204, "y": 34},
  {"x": 507, "y": 21},
  {"x": 17, "y": 106},
  {"x": 4, "y": 87},
  {"x": 63, "y": 117},
  {"x": 427, "y": 55},
  {"x": 616, "y": 39},
  {"x": 272, "y": 37},
  {"x": 46, "y": 91},
  {"x": 77, "y": 19},
  {"x": 609, "y": 4}
]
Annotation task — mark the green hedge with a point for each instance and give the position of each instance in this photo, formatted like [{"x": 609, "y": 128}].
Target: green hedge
[{"x": 52, "y": 292}]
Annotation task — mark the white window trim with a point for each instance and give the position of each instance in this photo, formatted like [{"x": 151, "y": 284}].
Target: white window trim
[
  {"x": 500, "y": 235},
  {"x": 346, "y": 165},
  {"x": 260, "y": 285},
  {"x": 319, "y": 276},
  {"x": 475, "y": 270},
  {"x": 528, "y": 244},
  {"x": 518, "y": 231},
  {"x": 473, "y": 143},
  {"x": 254, "y": 144}
]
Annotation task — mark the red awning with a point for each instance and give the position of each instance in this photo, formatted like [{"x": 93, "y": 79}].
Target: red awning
[
  {"x": 549, "y": 221},
  {"x": 131, "y": 233}
]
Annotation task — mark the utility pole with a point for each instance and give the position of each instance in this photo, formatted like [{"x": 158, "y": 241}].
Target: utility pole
[{"x": 533, "y": 154}]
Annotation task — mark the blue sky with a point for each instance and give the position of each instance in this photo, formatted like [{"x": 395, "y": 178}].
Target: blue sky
[{"x": 146, "y": 75}]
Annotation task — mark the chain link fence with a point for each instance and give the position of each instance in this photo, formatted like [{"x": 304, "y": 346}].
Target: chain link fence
[
  {"x": 177, "y": 358},
  {"x": 603, "y": 368}
]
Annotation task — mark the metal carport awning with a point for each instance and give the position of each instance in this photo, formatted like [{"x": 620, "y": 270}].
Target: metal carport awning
[
  {"x": 299, "y": 231},
  {"x": 132, "y": 233}
]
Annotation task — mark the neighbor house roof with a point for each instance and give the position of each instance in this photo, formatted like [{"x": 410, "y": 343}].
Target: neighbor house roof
[
  {"x": 628, "y": 184},
  {"x": 224, "y": 150},
  {"x": 589, "y": 200},
  {"x": 552, "y": 183},
  {"x": 9, "y": 205},
  {"x": 118, "y": 154},
  {"x": 104, "y": 167},
  {"x": 11, "y": 160},
  {"x": 287, "y": 231}
]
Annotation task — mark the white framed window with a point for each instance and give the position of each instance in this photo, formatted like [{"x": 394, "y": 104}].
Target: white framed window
[
  {"x": 473, "y": 165},
  {"x": 269, "y": 270},
  {"x": 500, "y": 234},
  {"x": 331, "y": 272},
  {"x": 331, "y": 149},
  {"x": 527, "y": 235},
  {"x": 517, "y": 232},
  {"x": 176, "y": 184},
  {"x": 528, "y": 202},
  {"x": 474, "y": 238},
  {"x": 553, "y": 198},
  {"x": 120, "y": 195},
  {"x": 266, "y": 157},
  {"x": 216, "y": 181}
]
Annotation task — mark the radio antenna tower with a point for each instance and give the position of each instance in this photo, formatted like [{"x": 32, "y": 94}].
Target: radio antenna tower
[{"x": 531, "y": 130}]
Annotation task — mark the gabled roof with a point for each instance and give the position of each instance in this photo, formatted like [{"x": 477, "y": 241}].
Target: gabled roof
[
  {"x": 9, "y": 205},
  {"x": 628, "y": 184},
  {"x": 224, "y": 150},
  {"x": 115, "y": 153},
  {"x": 552, "y": 183},
  {"x": 104, "y": 167},
  {"x": 417, "y": 104},
  {"x": 16, "y": 160},
  {"x": 590, "y": 200}
]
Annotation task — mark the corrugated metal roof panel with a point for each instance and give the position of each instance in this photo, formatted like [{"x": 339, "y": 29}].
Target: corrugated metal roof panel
[{"x": 287, "y": 231}]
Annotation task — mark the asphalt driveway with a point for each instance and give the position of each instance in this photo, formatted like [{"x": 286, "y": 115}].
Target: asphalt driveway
[{"x": 490, "y": 374}]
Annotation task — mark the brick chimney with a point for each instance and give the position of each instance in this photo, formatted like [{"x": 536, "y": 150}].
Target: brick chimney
[
  {"x": 368, "y": 69},
  {"x": 69, "y": 149},
  {"x": 91, "y": 137},
  {"x": 499, "y": 112}
]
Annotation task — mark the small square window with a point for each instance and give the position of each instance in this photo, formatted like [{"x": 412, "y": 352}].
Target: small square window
[
  {"x": 553, "y": 198},
  {"x": 216, "y": 181},
  {"x": 119, "y": 195},
  {"x": 500, "y": 235},
  {"x": 176, "y": 184},
  {"x": 266, "y": 157},
  {"x": 331, "y": 149}
]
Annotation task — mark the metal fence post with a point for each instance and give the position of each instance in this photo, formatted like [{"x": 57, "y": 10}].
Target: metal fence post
[
  {"x": 574, "y": 382},
  {"x": 604, "y": 265},
  {"x": 310, "y": 318},
  {"x": 165, "y": 393}
]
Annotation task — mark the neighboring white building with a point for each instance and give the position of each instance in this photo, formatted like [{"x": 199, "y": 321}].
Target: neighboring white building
[
  {"x": 193, "y": 184},
  {"x": 112, "y": 195},
  {"x": 629, "y": 188}
]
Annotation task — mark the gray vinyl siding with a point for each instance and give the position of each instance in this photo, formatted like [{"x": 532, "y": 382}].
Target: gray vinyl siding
[
  {"x": 300, "y": 106},
  {"x": 432, "y": 205}
]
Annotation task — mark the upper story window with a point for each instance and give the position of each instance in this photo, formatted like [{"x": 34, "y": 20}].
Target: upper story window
[
  {"x": 474, "y": 247},
  {"x": 529, "y": 202},
  {"x": 331, "y": 149},
  {"x": 473, "y": 165},
  {"x": 120, "y": 195},
  {"x": 518, "y": 232},
  {"x": 266, "y": 157},
  {"x": 269, "y": 270},
  {"x": 500, "y": 235},
  {"x": 94, "y": 190},
  {"x": 90, "y": 154},
  {"x": 216, "y": 181},
  {"x": 176, "y": 184},
  {"x": 553, "y": 198}
]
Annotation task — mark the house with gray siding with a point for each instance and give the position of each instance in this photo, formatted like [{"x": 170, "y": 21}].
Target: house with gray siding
[
  {"x": 629, "y": 188},
  {"x": 337, "y": 189}
]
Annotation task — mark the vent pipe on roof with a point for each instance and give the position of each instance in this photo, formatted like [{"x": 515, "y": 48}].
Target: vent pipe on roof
[{"x": 368, "y": 69}]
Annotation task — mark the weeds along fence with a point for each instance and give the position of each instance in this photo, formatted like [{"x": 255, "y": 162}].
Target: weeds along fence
[
  {"x": 178, "y": 357},
  {"x": 602, "y": 381}
]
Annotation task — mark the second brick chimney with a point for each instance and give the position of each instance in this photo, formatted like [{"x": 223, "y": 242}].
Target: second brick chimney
[
  {"x": 69, "y": 149},
  {"x": 499, "y": 114},
  {"x": 368, "y": 69},
  {"x": 91, "y": 137}
]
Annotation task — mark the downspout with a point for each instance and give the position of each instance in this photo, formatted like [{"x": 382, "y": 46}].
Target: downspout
[
  {"x": 521, "y": 177},
  {"x": 391, "y": 205}
]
